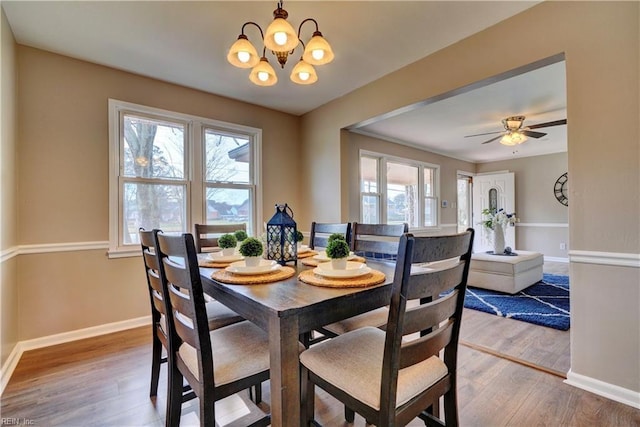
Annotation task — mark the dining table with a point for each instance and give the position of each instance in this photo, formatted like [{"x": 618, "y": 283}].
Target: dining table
[{"x": 288, "y": 308}]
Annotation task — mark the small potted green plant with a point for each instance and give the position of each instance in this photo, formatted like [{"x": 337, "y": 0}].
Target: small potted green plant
[
  {"x": 338, "y": 251},
  {"x": 251, "y": 249},
  {"x": 335, "y": 236},
  {"x": 299, "y": 239},
  {"x": 227, "y": 243},
  {"x": 241, "y": 236}
]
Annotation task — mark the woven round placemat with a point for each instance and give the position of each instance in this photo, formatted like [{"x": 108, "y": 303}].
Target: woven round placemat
[
  {"x": 225, "y": 276},
  {"x": 369, "y": 279},
  {"x": 307, "y": 254},
  {"x": 310, "y": 262},
  {"x": 212, "y": 264}
]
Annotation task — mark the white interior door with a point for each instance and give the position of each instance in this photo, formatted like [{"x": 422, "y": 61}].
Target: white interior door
[{"x": 493, "y": 191}]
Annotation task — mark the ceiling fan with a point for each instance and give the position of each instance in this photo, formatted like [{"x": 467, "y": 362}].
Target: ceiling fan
[{"x": 514, "y": 133}]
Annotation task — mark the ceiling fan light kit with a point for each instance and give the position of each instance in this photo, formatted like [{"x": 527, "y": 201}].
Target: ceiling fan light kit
[
  {"x": 513, "y": 138},
  {"x": 281, "y": 39},
  {"x": 515, "y": 134}
]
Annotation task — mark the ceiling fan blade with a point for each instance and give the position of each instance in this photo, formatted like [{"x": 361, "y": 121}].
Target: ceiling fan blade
[
  {"x": 480, "y": 134},
  {"x": 548, "y": 124},
  {"x": 533, "y": 134},
  {"x": 493, "y": 139}
]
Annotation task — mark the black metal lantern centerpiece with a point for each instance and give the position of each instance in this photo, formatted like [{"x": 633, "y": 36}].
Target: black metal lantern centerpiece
[{"x": 281, "y": 236}]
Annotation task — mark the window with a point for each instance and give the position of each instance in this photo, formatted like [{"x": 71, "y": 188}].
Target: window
[
  {"x": 395, "y": 191},
  {"x": 171, "y": 170},
  {"x": 370, "y": 196}
]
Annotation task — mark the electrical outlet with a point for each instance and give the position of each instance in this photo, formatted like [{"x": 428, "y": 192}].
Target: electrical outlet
[{"x": 563, "y": 246}]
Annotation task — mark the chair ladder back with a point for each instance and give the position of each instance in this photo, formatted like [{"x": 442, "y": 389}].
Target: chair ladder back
[
  {"x": 433, "y": 283},
  {"x": 421, "y": 349},
  {"x": 187, "y": 307},
  {"x": 206, "y": 235},
  {"x": 183, "y": 316},
  {"x": 152, "y": 273},
  {"x": 440, "y": 248},
  {"x": 428, "y": 316},
  {"x": 377, "y": 238},
  {"x": 437, "y": 317},
  {"x": 320, "y": 233}
]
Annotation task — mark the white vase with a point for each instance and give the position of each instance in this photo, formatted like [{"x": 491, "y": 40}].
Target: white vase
[
  {"x": 498, "y": 240},
  {"x": 339, "y": 263},
  {"x": 228, "y": 251},
  {"x": 252, "y": 261}
]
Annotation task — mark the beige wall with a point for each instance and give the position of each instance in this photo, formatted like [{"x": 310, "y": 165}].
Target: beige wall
[
  {"x": 543, "y": 220},
  {"x": 63, "y": 173},
  {"x": 600, "y": 41},
  {"x": 8, "y": 193}
]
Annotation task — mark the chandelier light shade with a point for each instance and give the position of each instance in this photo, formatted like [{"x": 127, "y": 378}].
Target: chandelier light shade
[
  {"x": 242, "y": 53},
  {"x": 280, "y": 35},
  {"x": 318, "y": 51},
  {"x": 513, "y": 138},
  {"x": 282, "y": 40},
  {"x": 263, "y": 74},
  {"x": 304, "y": 73}
]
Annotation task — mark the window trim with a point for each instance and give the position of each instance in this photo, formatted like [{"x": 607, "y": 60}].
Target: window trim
[
  {"x": 194, "y": 167},
  {"x": 382, "y": 187}
]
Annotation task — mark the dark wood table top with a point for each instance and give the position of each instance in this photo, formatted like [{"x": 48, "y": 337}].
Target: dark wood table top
[{"x": 292, "y": 297}]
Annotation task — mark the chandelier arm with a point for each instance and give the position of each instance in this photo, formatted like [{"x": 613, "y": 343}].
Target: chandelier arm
[
  {"x": 302, "y": 43},
  {"x": 253, "y": 23},
  {"x": 308, "y": 19}
]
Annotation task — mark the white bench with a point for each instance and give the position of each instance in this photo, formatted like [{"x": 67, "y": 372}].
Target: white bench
[{"x": 509, "y": 274}]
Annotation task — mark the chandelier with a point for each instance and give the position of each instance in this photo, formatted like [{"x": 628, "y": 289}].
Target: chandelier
[{"x": 282, "y": 40}]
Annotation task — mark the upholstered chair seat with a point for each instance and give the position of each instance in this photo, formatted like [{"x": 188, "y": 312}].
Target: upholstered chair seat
[
  {"x": 239, "y": 351},
  {"x": 353, "y": 363}
]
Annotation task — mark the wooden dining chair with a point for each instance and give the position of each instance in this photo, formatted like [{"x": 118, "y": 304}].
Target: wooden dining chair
[
  {"x": 320, "y": 233},
  {"x": 216, "y": 364},
  {"x": 206, "y": 235},
  {"x": 218, "y": 315},
  {"x": 377, "y": 241},
  {"x": 385, "y": 376}
]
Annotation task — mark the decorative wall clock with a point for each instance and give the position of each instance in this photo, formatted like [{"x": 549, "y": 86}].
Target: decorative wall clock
[{"x": 560, "y": 189}]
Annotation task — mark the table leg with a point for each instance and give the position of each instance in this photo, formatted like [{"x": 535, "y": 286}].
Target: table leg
[{"x": 285, "y": 373}]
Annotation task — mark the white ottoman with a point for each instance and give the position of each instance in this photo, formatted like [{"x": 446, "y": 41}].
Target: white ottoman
[{"x": 509, "y": 274}]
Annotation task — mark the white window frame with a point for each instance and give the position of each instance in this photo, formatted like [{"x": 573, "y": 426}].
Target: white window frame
[
  {"x": 363, "y": 194},
  {"x": 194, "y": 168},
  {"x": 382, "y": 187}
]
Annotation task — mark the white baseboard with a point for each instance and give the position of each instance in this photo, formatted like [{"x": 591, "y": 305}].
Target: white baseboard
[
  {"x": 610, "y": 391},
  {"x": 9, "y": 366},
  {"x": 14, "y": 357}
]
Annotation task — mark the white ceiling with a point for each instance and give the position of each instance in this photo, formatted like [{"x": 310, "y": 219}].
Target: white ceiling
[
  {"x": 185, "y": 42},
  {"x": 442, "y": 126}
]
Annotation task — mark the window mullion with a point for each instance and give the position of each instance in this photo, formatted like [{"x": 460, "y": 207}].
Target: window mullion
[
  {"x": 382, "y": 176},
  {"x": 421, "y": 196}
]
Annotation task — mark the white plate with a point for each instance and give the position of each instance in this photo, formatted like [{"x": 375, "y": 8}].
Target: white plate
[
  {"x": 354, "y": 269},
  {"x": 266, "y": 266},
  {"x": 218, "y": 257},
  {"x": 303, "y": 249},
  {"x": 322, "y": 256}
]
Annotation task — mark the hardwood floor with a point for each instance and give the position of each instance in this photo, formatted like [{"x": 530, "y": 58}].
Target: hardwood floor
[
  {"x": 546, "y": 348},
  {"x": 104, "y": 381}
]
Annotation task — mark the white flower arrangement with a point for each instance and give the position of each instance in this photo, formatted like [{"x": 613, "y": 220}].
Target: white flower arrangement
[{"x": 501, "y": 218}]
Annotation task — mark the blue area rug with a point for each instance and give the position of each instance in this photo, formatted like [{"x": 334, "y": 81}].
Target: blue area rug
[{"x": 545, "y": 303}]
